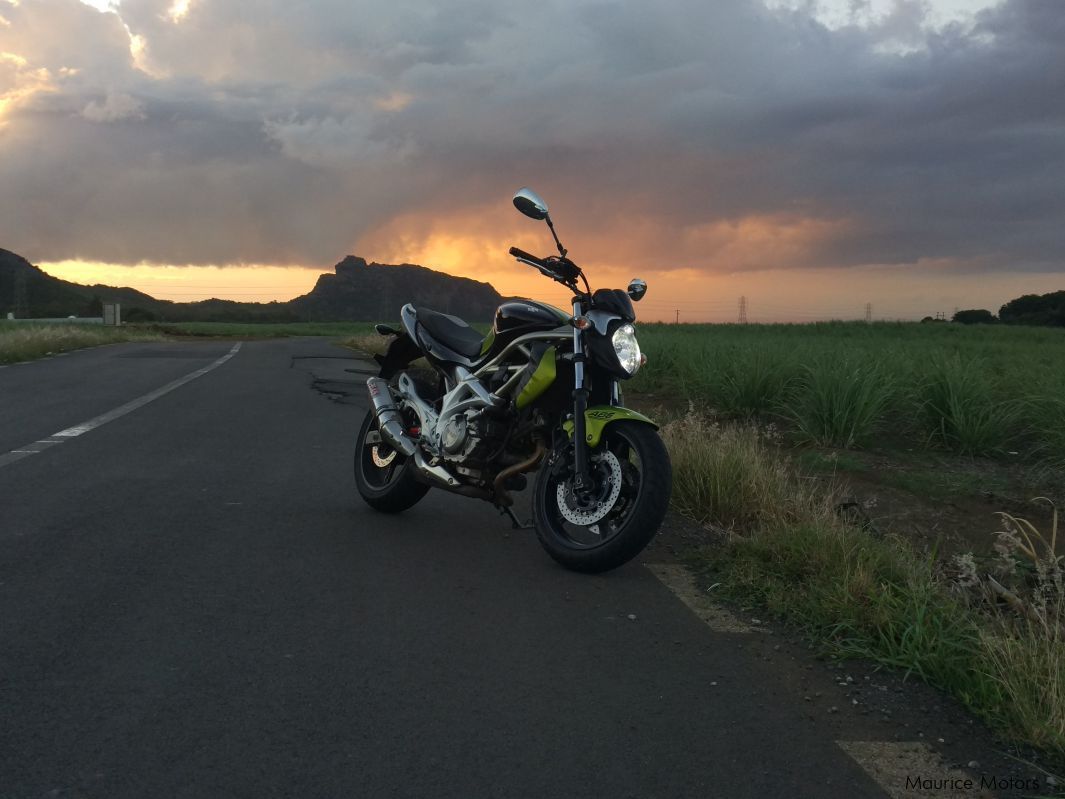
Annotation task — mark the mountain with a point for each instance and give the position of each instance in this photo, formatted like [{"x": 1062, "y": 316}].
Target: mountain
[
  {"x": 361, "y": 290},
  {"x": 27, "y": 291},
  {"x": 357, "y": 291}
]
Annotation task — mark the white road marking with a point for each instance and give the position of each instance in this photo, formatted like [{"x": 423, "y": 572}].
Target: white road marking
[
  {"x": 913, "y": 770},
  {"x": 679, "y": 580},
  {"x": 110, "y": 416}
]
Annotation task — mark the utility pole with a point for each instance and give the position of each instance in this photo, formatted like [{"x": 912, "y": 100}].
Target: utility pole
[
  {"x": 743, "y": 310},
  {"x": 868, "y": 312},
  {"x": 676, "y": 321}
]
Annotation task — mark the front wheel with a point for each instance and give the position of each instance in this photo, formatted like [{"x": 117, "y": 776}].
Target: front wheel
[
  {"x": 608, "y": 525},
  {"x": 385, "y": 478}
]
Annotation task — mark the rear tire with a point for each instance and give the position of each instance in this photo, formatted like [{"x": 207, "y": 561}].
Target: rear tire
[
  {"x": 391, "y": 488},
  {"x": 635, "y": 509}
]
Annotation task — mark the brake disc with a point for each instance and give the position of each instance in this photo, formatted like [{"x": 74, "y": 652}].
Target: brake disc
[
  {"x": 589, "y": 516},
  {"x": 382, "y": 462}
]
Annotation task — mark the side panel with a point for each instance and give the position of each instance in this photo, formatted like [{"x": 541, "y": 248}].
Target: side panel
[
  {"x": 598, "y": 417},
  {"x": 540, "y": 380}
]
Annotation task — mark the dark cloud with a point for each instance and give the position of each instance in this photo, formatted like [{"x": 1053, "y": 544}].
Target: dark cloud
[{"x": 284, "y": 132}]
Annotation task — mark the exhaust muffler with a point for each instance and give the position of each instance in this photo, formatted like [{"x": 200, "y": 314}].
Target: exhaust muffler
[
  {"x": 394, "y": 433},
  {"x": 388, "y": 418}
]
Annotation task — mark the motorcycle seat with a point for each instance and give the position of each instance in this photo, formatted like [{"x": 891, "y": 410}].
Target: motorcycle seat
[{"x": 451, "y": 331}]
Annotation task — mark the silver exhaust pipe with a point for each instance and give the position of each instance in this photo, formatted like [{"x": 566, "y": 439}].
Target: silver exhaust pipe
[
  {"x": 389, "y": 418},
  {"x": 394, "y": 433}
]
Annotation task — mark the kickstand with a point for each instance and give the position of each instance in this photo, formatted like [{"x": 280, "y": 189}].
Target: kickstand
[{"x": 515, "y": 524}]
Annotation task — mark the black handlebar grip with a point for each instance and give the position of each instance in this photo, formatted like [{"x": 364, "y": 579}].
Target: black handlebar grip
[{"x": 527, "y": 256}]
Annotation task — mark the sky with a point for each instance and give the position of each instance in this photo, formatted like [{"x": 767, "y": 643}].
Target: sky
[{"x": 812, "y": 156}]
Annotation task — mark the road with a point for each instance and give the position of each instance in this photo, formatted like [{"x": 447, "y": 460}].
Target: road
[{"x": 195, "y": 603}]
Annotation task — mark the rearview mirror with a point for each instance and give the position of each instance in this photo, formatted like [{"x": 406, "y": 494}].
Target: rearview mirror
[
  {"x": 529, "y": 203},
  {"x": 637, "y": 288}
]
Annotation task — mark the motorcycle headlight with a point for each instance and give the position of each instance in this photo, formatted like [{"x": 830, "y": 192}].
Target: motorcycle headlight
[{"x": 627, "y": 348}]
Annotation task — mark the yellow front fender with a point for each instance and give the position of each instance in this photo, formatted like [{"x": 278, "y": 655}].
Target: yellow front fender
[{"x": 598, "y": 417}]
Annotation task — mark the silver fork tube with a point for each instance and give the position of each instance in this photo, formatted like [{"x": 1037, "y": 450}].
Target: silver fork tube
[{"x": 578, "y": 349}]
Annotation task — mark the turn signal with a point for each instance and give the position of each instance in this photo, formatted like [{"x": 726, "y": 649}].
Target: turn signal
[{"x": 582, "y": 322}]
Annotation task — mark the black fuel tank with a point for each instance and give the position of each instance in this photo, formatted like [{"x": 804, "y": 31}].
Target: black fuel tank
[
  {"x": 518, "y": 317},
  {"x": 527, "y": 316}
]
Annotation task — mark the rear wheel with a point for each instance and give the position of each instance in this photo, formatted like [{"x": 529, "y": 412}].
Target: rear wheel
[
  {"x": 600, "y": 529},
  {"x": 385, "y": 479}
]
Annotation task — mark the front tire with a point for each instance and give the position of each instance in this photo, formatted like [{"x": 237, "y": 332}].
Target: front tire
[
  {"x": 633, "y": 479},
  {"x": 383, "y": 477}
]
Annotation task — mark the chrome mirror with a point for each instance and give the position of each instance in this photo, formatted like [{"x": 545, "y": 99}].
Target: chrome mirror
[
  {"x": 637, "y": 288},
  {"x": 529, "y": 203}
]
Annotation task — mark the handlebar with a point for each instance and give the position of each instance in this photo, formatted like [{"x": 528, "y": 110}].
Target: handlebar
[
  {"x": 561, "y": 269},
  {"x": 528, "y": 257}
]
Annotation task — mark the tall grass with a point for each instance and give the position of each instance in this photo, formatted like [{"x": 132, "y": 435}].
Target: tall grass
[
  {"x": 859, "y": 595},
  {"x": 978, "y": 389},
  {"x": 727, "y": 477},
  {"x": 1027, "y": 660},
  {"x": 961, "y": 412},
  {"x": 26, "y": 341},
  {"x": 749, "y": 381},
  {"x": 839, "y": 403}
]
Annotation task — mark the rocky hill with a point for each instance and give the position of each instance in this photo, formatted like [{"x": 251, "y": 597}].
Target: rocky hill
[
  {"x": 357, "y": 291},
  {"x": 361, "y": 290}
]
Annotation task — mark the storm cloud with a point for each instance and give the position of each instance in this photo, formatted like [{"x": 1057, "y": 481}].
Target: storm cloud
[{"x": 724, "y": 135}]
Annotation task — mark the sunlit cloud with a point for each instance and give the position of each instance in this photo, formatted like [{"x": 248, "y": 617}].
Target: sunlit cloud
[
  {"x": 835, "y": 14},
  {"x": 100, "y": 5},
  {"x": 702, "y": 145},
  {"x": 20, "y": 83},
  {"x": 178, "y": 10}
]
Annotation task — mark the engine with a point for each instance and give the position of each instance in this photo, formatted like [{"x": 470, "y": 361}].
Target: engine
[{"x": 470, "y": 438}]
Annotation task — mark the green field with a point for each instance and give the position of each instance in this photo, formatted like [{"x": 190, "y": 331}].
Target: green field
[{"x": 978, "y": 390}]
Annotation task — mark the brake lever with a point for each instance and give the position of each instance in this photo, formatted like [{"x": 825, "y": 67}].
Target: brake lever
[
  {"x": 538, "y": 267},
  {"x": 568, "y": 283}
]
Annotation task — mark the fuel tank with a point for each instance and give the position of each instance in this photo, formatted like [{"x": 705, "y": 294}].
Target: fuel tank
[{"x": 518, "y": 317}]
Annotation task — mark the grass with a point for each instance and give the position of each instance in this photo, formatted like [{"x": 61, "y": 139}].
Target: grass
[
  {"x": 1029, "y": 663},
  {"x": 27, "y": 341},
  {"x": 961, "y": 411},
  {"x": 839, "y": 403},
  {"x": 735, "y": 482},
  {"x": 371, "y": 342},
  {"x": 785, "y": 549},
  {"x": 976, "y": 390}
]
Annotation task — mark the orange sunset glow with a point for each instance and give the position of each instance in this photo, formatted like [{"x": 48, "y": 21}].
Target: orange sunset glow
[{"x": 810, "y": 157}]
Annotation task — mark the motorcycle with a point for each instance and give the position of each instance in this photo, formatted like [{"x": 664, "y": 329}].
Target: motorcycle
[{"x": 541, "y": 391}]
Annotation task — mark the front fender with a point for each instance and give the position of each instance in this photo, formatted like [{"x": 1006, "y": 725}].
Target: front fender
[{"x": 598, "y": 417}]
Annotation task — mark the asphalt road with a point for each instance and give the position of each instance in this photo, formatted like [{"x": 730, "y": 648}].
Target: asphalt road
[{"x": 194, "y": 602}]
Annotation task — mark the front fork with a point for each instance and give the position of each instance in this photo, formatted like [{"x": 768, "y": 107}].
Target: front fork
[{"x": 580, "y": 404}]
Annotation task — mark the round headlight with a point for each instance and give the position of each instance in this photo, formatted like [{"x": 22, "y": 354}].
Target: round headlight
[{"x": 627, "y": 348}]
